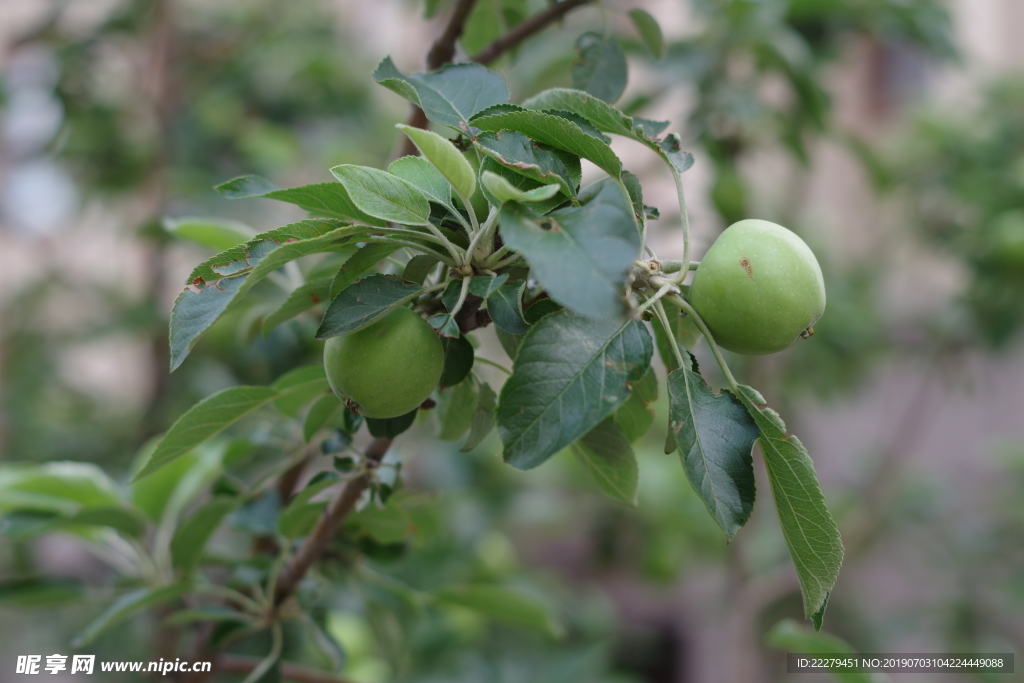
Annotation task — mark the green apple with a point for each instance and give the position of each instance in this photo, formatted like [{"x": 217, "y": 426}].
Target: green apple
[
  {"x": 389, "y": 367},
  {"x": 758, "y": 289}
]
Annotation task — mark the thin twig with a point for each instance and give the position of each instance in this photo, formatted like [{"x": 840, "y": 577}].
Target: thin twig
[
  {"x": 290, "y": 672},
  {"x": 327, "y": 526},
  {"x": 534, "y": 24}
]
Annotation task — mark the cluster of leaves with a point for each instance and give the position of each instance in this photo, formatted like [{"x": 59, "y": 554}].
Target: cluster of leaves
[{"x": 495, "y": 220}]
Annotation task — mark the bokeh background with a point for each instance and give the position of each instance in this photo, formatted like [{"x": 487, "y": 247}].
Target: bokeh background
[{"x": 888, "y": 133}]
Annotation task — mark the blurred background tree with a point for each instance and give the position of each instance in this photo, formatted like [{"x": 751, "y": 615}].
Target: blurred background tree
[{"x": 119, "y": 114}]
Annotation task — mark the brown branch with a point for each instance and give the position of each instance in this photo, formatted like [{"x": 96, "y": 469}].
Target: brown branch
[
  {"x": 290, "y": 672},
  {"x": 534, "y": 24},
  {"x": 444, "y": 48},
  {"x": 327, "y": 526},
  {"x": 441, "y": 52}
]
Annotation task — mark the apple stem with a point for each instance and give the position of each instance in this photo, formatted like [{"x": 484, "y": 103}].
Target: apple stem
[{"x": 685, "y": 306}]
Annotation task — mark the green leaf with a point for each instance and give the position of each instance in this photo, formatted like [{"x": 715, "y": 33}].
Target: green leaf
[
  {"x": 671, "y": 149},
  {"x": 486, "y": 23},
  {"x": 458, "y": 360},
  {"x": 127, "y": 605},
  {"x": 389, "y": 524},
  {"x": 603, "y": 115},
  {"x": 521, "y": 154},
  {"x": 445, "y": 325},
  {"x": 504, "y": 191},
  {"x": 62, "y": 487},
  {"x": 363, "y": 260},
  {"x": 600, "y": 68},
  {"x": 484, "y": 286},
  {"x": 570, "y": 373},
  {"x": 519, "y": 181},
  {"x": 299, "y": 387},
  {"x": 455, "y": 409},
  {"x": 610, "y": 120},
  {"x": 391, "y": 427},
  {"x": 364, "y": 301},
  {"x": 217, "y": 234},
  {"x": 383, "y": 195},
  {"x": 633, "y": 417},
  {"x": 581, "y": 255},
  {"x": 321, "y": 199},
  {"x": 423, "y": 175},
  {"x": 203, "y": 420},
  {"x": 506, "y": 310},
  {"x": 298, "y": 519},
  {"x": 789, "y": 636},
  {"x": 811, "y": 534},
  {"x": 322, "y": 410},
  {"x": 191, "y": 537},
  {"x": 152, "y": 492},
  {"x": 40, "y": 591},
  {"x": 225, "y": 278},
  {"x": 482, "y": 421},
  {"x": 419, "y": 267},
  {"x": 555, "y": 131},
  {"x": 504, "y": 605},
  {"x": 450, "y": 96},
  {"x": 715, "y": 436},
  {"x": 445, "y": 158},
  {"x": 302, "y": 298},
  {"x": 605, "y": 453},
  {"x": 650, "y": 32},
  {"x": 124, "y": 520}
]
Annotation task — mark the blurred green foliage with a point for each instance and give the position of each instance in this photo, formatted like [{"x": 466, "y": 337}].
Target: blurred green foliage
[{"x": 963, "y": 173}]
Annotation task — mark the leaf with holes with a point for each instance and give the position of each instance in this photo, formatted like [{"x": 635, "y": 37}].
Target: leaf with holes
[
  {"x": 570, "y": 373},
  {"x": 581, "y": 255}
]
